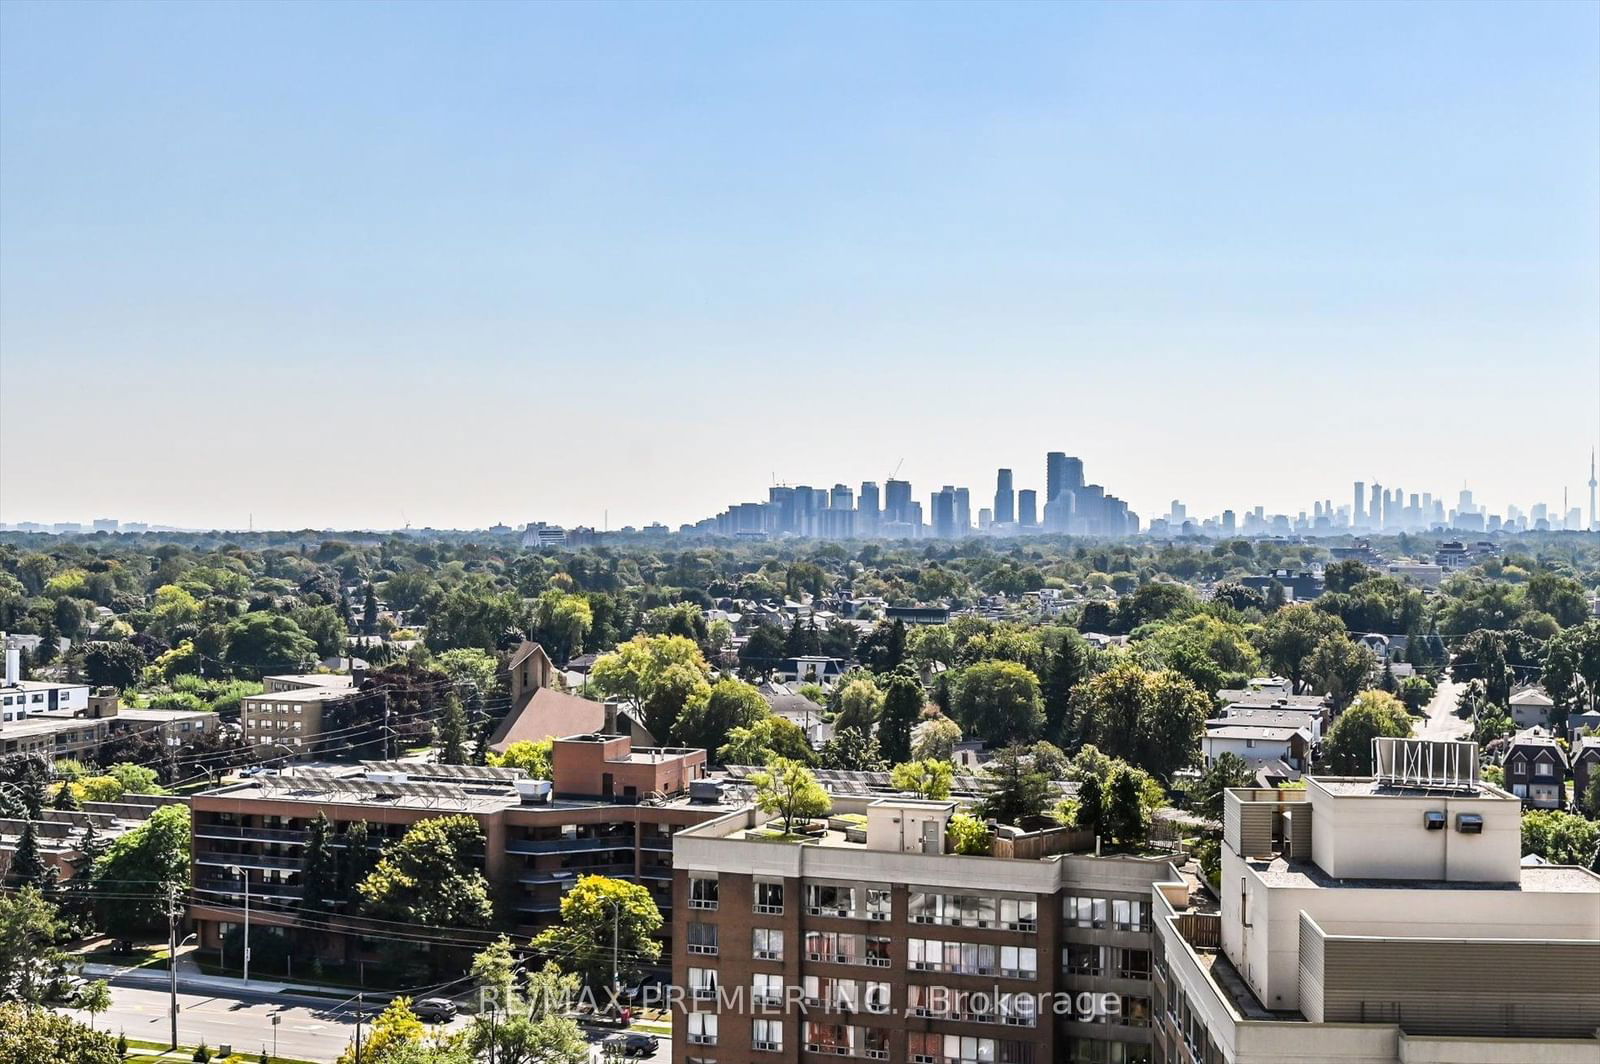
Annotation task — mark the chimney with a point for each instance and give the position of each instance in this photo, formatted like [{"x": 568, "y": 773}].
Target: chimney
[{"x": 13, "y": 660}]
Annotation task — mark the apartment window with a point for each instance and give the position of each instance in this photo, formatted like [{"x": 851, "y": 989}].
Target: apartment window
[
  {"x": 1130, "y": 915},
  {"x": 767, "y": 1035},
  {"x": 766, "y": 989},
  {"x": 767, "y": 943},
  {"x": 1085, "y": 912},
  {"x": 703, "y": 938},
  {"x": 769, "y": 898},
  {"x": 825, "y": 899},
  {"x": 877, "y": 951},
  {"x": 702, "y": 1028},
  {"x": 1519, "y": 766},
  {"x": 702, "y": 892},
  {"x": 1131, "y": 963},
  {"x": 1543, "y": 768},
  {"x": 1019, "y": 914},
  {"x": 875, "y": 997},
  {"x": 1019, "y": 961},
  {"x": 877, "y": 903},
  {"x": 703, "y": 984},
  {"x": 1079, "y": 959}
]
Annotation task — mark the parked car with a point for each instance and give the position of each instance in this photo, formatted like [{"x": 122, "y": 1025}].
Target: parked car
[
  {"x": 435, "y": 1010},
  {"x": 633, "y": 1045}
]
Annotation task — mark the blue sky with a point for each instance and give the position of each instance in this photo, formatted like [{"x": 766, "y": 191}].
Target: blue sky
[{"x": 359, "y": 264}]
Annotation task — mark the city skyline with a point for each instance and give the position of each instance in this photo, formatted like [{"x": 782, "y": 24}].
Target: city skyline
[
  {"x": 609, "y": 247},
  {"x": 901, "y": 505}
]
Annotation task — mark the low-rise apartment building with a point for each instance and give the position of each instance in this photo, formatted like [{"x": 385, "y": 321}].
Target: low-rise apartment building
[
  {"x": 611, "y": 809},
  {"x": 1384, "y": 920},
  {"x": 289, "y": 714},
  {"x": 875, "y": 940}
]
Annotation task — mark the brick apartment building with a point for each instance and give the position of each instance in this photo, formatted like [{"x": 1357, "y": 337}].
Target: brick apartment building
[
  {"x": 881, "y": 944},
  {"x": 611, "y": 809}
]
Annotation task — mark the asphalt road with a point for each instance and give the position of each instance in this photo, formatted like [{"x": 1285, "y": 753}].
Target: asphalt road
[
  {"x": 1441, "y": 721},
  {"x": 307, "y": 1029}
]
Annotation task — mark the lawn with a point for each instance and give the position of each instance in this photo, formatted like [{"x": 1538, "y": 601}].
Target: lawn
[{"x": 140, "y": 1052}]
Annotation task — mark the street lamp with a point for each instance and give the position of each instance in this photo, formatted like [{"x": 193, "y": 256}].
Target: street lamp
[
  {"x": 172, "y": 972},
  {"x": 244, "y": 877}
]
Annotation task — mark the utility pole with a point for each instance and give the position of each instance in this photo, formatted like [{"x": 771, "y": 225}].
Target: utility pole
[
  {"x": 172, "y": 957},
  {"x": 360, "y": 1010},
  {"x": 244, "y": 874},
  {"x": 616, "y": 923}
]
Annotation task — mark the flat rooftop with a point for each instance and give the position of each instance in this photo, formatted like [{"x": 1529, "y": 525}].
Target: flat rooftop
[
  {"x": 302, "y": 694},
  {"x": 1539, "y": 879},
  {"x": 321, "y": 679}
]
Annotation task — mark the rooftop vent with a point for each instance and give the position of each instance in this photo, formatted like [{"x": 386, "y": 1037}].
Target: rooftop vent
[
  {"x": 705, "y": 791},
  {"x": 1433, "y": 820},
  {"x": 1469, "y": 823},
  {"x": 533, "y": 792}
]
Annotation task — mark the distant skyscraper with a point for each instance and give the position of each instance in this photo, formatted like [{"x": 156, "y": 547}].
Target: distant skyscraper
[
  {"x": 963, "y": 511},
  {"x": 942, "y": 506},
  {"x": 1375, "y": 511},
  {"x": 1228, "y": 522},
  {"x": 1028, "y": 508},
  {"x": 1061, "y": 473},
  {"x": 843, "y": 498},
  {"x": 867, "y": 509},
  {"x": 1005, "y": 498},
  {"x": 985, "y": 518},
  {"x": 1358, "y": 514},
  {"x": 897, "y": 500}
]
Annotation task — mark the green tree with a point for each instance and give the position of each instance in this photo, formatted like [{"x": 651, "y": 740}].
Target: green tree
[
  {"x": 27, "y": 867},
  {"x": 1125, "y": 815},
  {"x": 393, "y": 1035},
  {"x": 925, "y": 779},
  {"x": 1068, "y": 667},
  {"x": 319, "y": 865},
  {"x": 452, "y": 731},
  {"x": 1225, "y": 772},
  {"x": 1290, "y": 638},
  {"x": 766, "y": 739},
  {"x": 113, "y": 664},
  {"x": 324, "y": 627},
  {"x": 1149, "y": 718},
  {"x": 532, "y": 1028},
  {"x": 969, "y": 837},
  {"x": 261, "y": 643},
  {"x": 935, "y": 737},
  {"x": 730, "y": 704},
  {"x": 136, "y": 779},
  {"x": 356, "y": 859},
  {"x": 431, "y": 877},
  {"x": 1561, "y": 838},
  {"x": 94, "y": 999},
  {"x": 532, "y": 756},
  {"x": 632, "y": 671},
  {"x": 1347, "y": 750},
  {"x": 595, "y": 912},
  {"x": 369, "y": 611},
  {"x": 1340, "y": 667},
  {"x": 29, "y": 960},
  {"x": 140, "y": 870},
  {"x": 857, "y": 702},
  {"x": 1012, "y": 788},
  {"x": 851, "y": 750},
  {"x": 999, "y": 702},
  {"x": 675, "y": 696},
  {"x": 33, "y": 1035},
  {"x": 902, "y": 702},
  {"x": 789, "y": 790},
  {"x": 1091, "y": 812},
  {"x": 1572, "y": 666},
  {"x": 1416, "y": 692}
]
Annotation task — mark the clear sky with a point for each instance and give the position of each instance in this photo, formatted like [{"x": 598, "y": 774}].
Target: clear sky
[{"x": 358, "y": 264}]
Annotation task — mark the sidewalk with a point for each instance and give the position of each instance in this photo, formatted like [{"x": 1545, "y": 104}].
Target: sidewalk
[{"x": 190, "y": 977}]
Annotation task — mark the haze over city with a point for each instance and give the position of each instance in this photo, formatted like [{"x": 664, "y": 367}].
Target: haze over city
[{"x": 615, "y": 265}]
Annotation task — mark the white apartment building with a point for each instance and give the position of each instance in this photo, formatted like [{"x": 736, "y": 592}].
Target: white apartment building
[{"x": 1384, "y": 920}]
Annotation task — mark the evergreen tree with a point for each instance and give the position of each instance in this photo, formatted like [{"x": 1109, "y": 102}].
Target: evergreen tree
[
  {"x": 66, "y": 798},
  {"x": 1091, "y": 805},
  {"x": 319, "y": 865},
  {"x": 357, "y": 860},
  {"x": 1013, "y": 788},
  {"x": 369, "y": 612},
  {"x": 1124, "y": 815},
  {"x": 27, "y": 866},
  {"x": 902, "y": 703},
  {"x": 1388, "y": 682},
  {"x": 453, "y": 732},
  {"x": 1067, "y": 667}
]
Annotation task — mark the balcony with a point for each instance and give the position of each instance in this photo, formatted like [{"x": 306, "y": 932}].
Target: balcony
[
  {"x": 246, "y": 860},
  {"x": 249, "y": 834},
  {"x": 616, "y": 842}
]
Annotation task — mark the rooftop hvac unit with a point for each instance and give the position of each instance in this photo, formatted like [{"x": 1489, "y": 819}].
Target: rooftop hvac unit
[
  {"x": 1469, "y": 823},
  {"x": 1433, "y": 820},
  {"x": 705, "y": 791},
  {"x": 387, "y": 777},
  {"x": 533, "y": 792}
]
